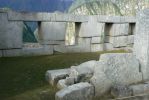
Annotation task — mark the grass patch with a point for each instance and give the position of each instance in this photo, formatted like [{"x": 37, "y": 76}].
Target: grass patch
[{"x": 22, "y": 78}]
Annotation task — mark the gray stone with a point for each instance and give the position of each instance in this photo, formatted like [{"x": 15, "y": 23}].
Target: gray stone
[
  {"x": 80, "y": 91},
  {"x": 52, "y": 42},
  {"x": 97, "y": 40},
  {"x": 83, "y": 72},
  {"x": 130, "y": 39},
  {"x": 10, "y": 33},
  {"x": 140, "y": 89},
  {"x": 92, "y": 28},
  {"x": 101, "y": 47},
  {"x": 120, "y": 41},
  {"x": 53, "y": 76},
  {"x": 70, "y": 80},
  {"x": 1, "y": 53},
  {"x": 12, "y": 52},
  {"x": 119, "y": 30},
  {"x": 44, "y": 50},
  {"x": 141, "y": 42},
  {"x": 115, "y": 69},
  {"x": 50, "y": 31},
  {"x": 61, "y": 84},
  {"x": 119, "y": 91}
]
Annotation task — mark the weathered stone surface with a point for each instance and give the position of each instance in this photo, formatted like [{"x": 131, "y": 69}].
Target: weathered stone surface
[
  {"x": 51, "y": 42},
  {"x": 80, "y": 91},
  {"x": 119, "y": 91},
  {"x": 92, "y": 28},
  {"x": 120, "y": 41},
  {"x": 61, "y": 84},
  {"x": 53, "y": 76},
  {"x": 130, "y": 39},
  {"x": 119, "y": 30},
  {"x": 140, "y": 89},
  {"x": 12, "y": 52},
  {"x": 83, "y": 72},
  {"x": 115, "y": 69},
  {"x": 45, "y": 50},
  {"x": 101, "y": 47},
  {"x": 97, "y": 40},
  {"x": 10, "y": 33},
  {"x": 141, "y": 42},
  {"x": 70, "y": 80},
  {"x": 84, "y": 45},
  {"x": 50, "y": 31}
]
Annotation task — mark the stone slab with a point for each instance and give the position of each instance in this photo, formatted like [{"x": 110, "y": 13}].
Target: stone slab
[
  {"x": 141, "y": 42},
  {"x": 53, "y": 76},
  {"x": 130, "y": 39},
  {"x": 116, "y": 19},
  {"x": 50, "y": 42},
  {"x": 45, "y": 50},
  {"x": 80, "y": 91},
  {"x": 53, "y": 17},
  {"x": 97, "y": 40},
  {"x": 92, "y": 28},
  {"x": 10, "y": 33}
]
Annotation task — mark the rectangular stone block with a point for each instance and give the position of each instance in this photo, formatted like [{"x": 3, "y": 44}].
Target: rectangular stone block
[
  {"x": 120, "y": 41},
  {"x": 12, "y": 53},
  {"x": 101, "y": 47},
  {"x": 130, "y": 39},
  {"x": 119, "y": 30},
  {"x": 54, "y": 42},
  {"x": 97, "y": 40},
  {"x": 45, "y": 50},
  {"x": 92, "y": 28},
  {"x": 80, "y": 91},
  {"x": 10, "y": 33},
  {"x": 52, "y": 31}
]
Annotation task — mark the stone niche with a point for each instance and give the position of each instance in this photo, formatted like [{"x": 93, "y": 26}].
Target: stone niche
[{"x": 10, "y": 33}]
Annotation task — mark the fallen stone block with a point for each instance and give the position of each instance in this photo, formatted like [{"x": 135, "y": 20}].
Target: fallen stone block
[
  {"x": 80, "y": 91},
  {"x": 140, "y": 89},
  {"x": 119, "y": 91},
  {"x": 120, "y": 68},
  {"x": 61, "y": 84},
  {"x": 53, "y": 76},
  {"x": 83, "y": 72}
]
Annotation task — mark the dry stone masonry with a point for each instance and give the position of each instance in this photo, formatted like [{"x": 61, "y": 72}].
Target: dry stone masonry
[
  {"x": 122, "y": 75},
  {"x": 92, "y": 33}
]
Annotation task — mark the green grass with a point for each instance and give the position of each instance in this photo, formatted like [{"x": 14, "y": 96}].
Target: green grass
[{"x": 22, "y": 78}]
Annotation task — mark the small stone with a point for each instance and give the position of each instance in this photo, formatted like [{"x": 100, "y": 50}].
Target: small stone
[{"x": 61, "y": 84}]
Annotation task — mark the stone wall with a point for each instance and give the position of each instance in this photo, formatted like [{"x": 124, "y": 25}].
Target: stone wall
[{"x": 92, "y": 33}]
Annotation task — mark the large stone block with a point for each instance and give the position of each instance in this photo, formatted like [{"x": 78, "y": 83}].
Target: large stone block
[
  {"x": 140, "y": 89},
  {"x": 12, "y": 52},
  {"x": 115, "y": 69},
  {"x": 45, "y": 50},
  {"x": 80, "y": 91},
  {"x": 97, "y": 40},
  {"x": 130, "y": 39},
  {"x": 141, "y": 42},
  {"x": 120, "y": 41},
  {"x": 83, "y": 72},
  {"x": 50, "y": 31},
  {"x": 92, "y": 28},
  {"x": 101, "y": 47},
  {"x": 119, "y": 30},
  {"x": 53, "y": 76},
  {"x": 10, "y": 33}
]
